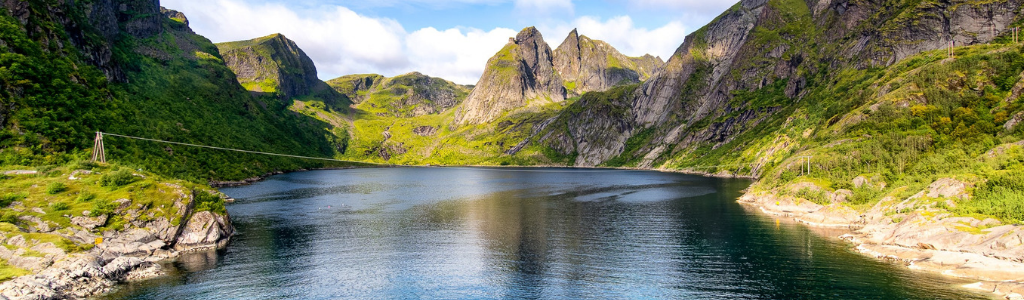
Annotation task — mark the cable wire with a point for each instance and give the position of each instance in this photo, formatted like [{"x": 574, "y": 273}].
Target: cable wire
[{"x": 225, "y": 149}]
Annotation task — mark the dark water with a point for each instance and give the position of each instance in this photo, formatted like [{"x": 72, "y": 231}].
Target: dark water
[{"x": 461, "y": 233}]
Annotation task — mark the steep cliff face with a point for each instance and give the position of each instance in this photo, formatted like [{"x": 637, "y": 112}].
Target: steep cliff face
[
  {"x": 92, "y": 33},
  {"x": 594, "y": 129},
  {"x": 589, "y": 65},
  {"x": 520, "y": 75},
  {"x": 272, "y": 64},
  {"x": 407, "y": 95},
  {"x": 780, "y": 49}
]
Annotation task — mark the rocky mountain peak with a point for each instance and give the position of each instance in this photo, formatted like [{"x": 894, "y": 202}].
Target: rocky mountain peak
[
  {"x": 272, "y": 64},
  {"x": 520, "y": 75},
  {"x": 589, "y": 65},
  {"x": 174, "y": 15}
]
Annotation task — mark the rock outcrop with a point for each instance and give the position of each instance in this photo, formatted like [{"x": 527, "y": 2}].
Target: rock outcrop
[
  {"x": 589, "y": 65},
  {"x": 106, "y": 19},
  {"x": 520, "y": 75},
  {"x": 129, "y": 254},
  {"x": 357, "y": 87},
  {"x": 595, "y": 128}
]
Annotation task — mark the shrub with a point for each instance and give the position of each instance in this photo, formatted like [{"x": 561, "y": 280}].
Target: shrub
[
  {"x": 84, "y": 165},
  {"x": 209, "y": 202},
  {"x": 9, "y": 217},
  {"x": 102, "y": 207},
  {"x": 119, "y": 178},
  {"x": 85, "y": 197},
  {"x": 60, "y": 206},
  {"x": 56, "y": 188},
  {"x": 7, "y": 199}
]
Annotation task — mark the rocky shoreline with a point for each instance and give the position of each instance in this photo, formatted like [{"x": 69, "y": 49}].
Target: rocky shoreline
[
  {"x": 118, "y": 255},
  {"x": 917, "y": 233}
]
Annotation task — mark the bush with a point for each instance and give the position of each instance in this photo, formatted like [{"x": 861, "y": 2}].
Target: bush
[
  {"x": 84, "y": 165},
  {"x": 209, "y": 202},
  {"x": 9, "y": 217},
  {"x": 103, "y": 207},
  {"x": 85, "y": 197},
  {"x": 56, "y": 188},
  {"x": 119, "y": 178},
  {"x": 7, "y": 199},
  {"x": 60, "y": 206}
]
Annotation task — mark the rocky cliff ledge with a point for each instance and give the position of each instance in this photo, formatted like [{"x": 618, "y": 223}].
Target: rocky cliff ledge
[{"x": 121, "y": 253}]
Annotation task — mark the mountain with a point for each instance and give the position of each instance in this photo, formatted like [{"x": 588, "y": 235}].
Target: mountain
[
  {"x": 406, "y": 95},
  {"x": 589, "y": 65},
  {"x": 522, "y": 74},
  {"x": 761, "y": 59},
  {"x": 356, "y": 87},
  {"x": 275, "y": 65}
]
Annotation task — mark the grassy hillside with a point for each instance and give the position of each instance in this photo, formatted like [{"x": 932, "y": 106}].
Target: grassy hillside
[{"x": 178, "y": 89}]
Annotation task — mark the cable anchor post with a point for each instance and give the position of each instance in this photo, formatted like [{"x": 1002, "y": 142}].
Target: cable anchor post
[{"x": 98, "y": 153}]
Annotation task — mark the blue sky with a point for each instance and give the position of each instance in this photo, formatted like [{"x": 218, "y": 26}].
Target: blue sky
[{"x": 451, "y": 39}]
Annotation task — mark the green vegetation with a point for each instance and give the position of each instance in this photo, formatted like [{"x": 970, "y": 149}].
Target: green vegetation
[
  {"x": 28, "y": 196},
  {"x": 118, "y": 178},
  {"x": 51, "y": 102},
  {"x": 206, "y": 201},
  {"x": 56, "y": 188}
]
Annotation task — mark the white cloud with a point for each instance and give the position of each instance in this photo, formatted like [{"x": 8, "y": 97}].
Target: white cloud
[
  {"x": 460, "y": 56},
  {"x": 622, "y": 34},
  {"x": 341, "y": 41}
]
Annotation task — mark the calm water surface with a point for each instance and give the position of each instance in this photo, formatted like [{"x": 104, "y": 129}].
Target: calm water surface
[{"x": 466, "y": 233}]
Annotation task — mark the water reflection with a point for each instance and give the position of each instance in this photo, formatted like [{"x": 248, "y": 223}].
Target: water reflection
[{"x": 480, "y": 233}]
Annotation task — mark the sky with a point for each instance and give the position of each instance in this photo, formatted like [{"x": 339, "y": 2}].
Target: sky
[{"x": 451, "y": 39}]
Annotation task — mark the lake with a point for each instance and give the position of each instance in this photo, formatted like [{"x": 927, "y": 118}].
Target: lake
[{"x": 480, "y": 233}]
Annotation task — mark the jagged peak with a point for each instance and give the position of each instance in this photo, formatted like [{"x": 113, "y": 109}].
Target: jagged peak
[
  {"x": 272, "y": 38},
  {"x": 174, "y": 15},
  {"x": 574, "y": 35},
  {"x": 527, "y": 34}
]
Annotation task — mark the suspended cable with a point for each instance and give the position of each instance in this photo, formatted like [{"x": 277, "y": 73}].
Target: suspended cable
[{"x": 101, "y": 134}]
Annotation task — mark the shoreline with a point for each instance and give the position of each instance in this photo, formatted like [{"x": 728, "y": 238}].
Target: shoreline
[
  {"x": 928, "y": 240},
  {"x": 133, "y": 254}
]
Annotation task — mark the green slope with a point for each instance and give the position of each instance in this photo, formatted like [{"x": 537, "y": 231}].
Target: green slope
[{"x": 177, "y": 88}]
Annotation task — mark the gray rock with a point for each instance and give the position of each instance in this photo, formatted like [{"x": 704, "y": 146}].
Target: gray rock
[
  {"x": 89, "y": 223},
  {"x": 425, "y": 131},
  {"x": 948, "y": 188},
  {"x": 205, "y": 230},
  {"x": 17, "y": 241}
]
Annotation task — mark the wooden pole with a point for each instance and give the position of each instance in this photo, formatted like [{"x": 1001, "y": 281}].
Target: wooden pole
[{"x": 98, "y": 153}]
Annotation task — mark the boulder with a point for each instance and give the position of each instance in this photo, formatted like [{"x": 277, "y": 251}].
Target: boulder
[
  {"x": 205, "y": 230},
  {"x": 948, "y": 188},
  {"x": 36, "y": 224},
  {"x": 89, "y": 223}
]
